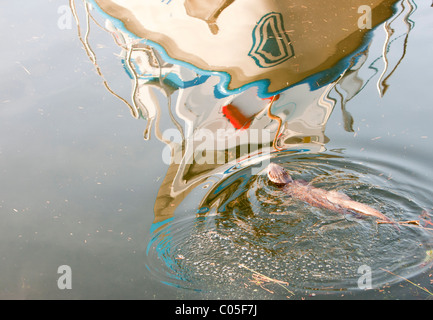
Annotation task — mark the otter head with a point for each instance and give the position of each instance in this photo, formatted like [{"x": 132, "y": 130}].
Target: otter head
[{"x": 278, "y": 175}]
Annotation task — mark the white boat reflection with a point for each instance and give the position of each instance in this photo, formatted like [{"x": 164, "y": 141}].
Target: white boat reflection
[{"x": 241, "y": 79}]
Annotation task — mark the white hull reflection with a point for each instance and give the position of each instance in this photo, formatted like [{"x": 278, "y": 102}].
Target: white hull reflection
[{"x": 239, "y": 81}]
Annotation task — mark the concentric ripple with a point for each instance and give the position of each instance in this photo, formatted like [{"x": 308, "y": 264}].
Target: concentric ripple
[{"x": 250, "y": 239}]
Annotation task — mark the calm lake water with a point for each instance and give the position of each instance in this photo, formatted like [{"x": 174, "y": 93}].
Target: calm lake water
[{"x": 80, "y": 186}]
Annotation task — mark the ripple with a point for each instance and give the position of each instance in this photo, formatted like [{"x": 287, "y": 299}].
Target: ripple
[{"x": 253, "y": 239}]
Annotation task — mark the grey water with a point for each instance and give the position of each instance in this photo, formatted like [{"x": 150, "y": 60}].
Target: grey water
[{"x": 78, "y": 185}]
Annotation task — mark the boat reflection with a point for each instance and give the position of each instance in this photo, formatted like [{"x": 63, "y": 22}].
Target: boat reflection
[{"x": 235, "y": 82}]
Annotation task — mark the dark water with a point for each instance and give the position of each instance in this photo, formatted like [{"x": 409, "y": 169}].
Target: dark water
[{"x": 81, "y": 187}]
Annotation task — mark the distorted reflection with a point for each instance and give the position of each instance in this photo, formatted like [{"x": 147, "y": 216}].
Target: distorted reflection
[{"x": 241, "y": 81}]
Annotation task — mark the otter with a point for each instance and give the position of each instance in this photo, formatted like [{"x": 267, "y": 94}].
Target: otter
[{"x": 332, "y": 200}]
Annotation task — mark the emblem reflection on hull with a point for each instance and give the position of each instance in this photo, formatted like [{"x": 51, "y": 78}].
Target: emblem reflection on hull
[{"x": 271, "y": 44}]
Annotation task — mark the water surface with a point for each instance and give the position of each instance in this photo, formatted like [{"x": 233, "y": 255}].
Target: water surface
[{"x": 80, "y": 186}]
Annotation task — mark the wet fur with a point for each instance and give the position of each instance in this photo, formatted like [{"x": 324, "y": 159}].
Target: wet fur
[{"x": 332, "y": 200}]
